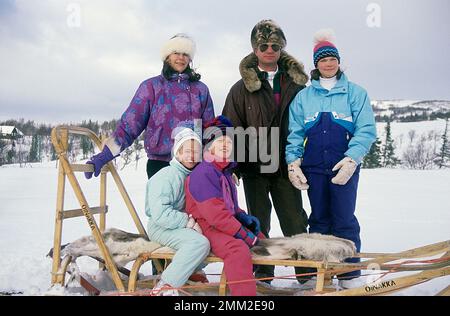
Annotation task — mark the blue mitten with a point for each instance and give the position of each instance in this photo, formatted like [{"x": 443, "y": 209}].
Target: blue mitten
[
  {"x": 249, "y": 221},
  {"x": 247, "y": 236},
  {"x": 98, "y": 161}
]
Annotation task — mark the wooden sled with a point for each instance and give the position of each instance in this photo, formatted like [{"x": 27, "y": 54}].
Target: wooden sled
[
  {"x": 127, "y": 282},
  {"x": 431, "y": 269}
]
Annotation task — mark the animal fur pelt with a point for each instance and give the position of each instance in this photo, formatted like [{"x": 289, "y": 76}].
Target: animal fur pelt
[
  {"x": 314, "y": 247},
  {"x": 293, "y": 67},
  {"x": 125, "y": 247}
]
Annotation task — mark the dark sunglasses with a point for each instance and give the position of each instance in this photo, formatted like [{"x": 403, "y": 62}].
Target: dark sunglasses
[{"x": 264, "y": 47}]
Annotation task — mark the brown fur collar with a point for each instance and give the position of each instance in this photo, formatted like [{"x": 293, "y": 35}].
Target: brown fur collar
[{"x": 293, "y": 68}]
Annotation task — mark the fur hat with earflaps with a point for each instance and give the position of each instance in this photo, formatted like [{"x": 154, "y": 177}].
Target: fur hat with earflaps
[
  {"x": 179, "y": 43},
  {"x": 324, "y": 45},
  {"x": 267, "y": 31},
  {"x": 288, "y": 63}
]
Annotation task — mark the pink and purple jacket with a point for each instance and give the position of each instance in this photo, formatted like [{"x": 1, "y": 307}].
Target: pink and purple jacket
[
  {"x": 157, "y": 107},
  {"x": 211, "y": 198}
]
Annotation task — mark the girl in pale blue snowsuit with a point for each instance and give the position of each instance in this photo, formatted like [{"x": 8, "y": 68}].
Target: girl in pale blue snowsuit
[{"x": 168, "y": 224}]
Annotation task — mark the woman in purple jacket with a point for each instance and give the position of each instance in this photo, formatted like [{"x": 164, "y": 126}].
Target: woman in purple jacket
[{"x": 159, "y": 104}]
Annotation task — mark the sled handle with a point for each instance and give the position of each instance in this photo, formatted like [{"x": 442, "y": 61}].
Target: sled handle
[
  {"x": 59, "y": 138},
  {"x": 61, "y": 149}
]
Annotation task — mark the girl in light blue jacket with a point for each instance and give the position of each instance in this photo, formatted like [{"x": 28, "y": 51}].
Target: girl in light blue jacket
[
  {"x": 331, "y": 129},
  {"x": 168, "y": 223}
]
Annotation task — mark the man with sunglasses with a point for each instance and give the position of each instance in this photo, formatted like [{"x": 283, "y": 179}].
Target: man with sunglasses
[{"x": 260, "y": 100}]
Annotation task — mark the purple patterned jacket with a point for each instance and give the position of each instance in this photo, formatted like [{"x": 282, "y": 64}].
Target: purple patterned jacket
[{"x": 157, "y": 107}]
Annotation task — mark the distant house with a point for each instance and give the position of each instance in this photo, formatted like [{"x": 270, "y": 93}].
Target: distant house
[{"x": 10, "y": 132}]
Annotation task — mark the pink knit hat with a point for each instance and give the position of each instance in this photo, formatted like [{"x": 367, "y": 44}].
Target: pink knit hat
[{"x": 324, "y": 46}]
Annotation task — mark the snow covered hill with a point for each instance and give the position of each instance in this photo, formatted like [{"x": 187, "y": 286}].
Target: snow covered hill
[
  {"x": 410, "y": 110},
  {"x": 436, "y": 105}
]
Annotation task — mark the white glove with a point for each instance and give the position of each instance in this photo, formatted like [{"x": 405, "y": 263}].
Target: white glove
[
  {"x": 296, "y": 175},
  {"x": 192, "y": 224},
  {"x": 346, "y": 167}
]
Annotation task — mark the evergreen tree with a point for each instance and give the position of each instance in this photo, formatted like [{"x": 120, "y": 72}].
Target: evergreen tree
[
  {"x": 443, "y": 158},
  {"x": 86, "y": 147},
  {"x": 388, "y": 151},
  {"x": 34, "y": 150},
  {"x": 53, "y": 153},
  {"x": 93, "y": 126},
  {"x": 3, "y": 151},
  {"x": 373, "y": 158},
  {"x": 11, "y": 155},
  {"x": 40, "y": 147},
  {"x": 3, "y": 147}
]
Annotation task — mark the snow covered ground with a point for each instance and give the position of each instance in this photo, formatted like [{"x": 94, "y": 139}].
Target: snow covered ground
[{"x": 398, "y": 209}]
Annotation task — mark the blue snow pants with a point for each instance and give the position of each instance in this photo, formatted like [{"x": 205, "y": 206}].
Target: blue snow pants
[
  {"x": 332, "y": 206},
  {"x": 333, "y": 210}
]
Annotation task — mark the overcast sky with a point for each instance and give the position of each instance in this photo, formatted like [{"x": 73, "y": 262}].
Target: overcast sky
[{"x": 65, "y": 61}]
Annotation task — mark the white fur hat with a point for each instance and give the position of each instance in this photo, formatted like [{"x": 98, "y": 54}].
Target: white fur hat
[{"x": 180, "y": 43}]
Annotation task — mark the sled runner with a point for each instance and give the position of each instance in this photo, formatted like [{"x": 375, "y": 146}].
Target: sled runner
[{"x": 127, "y": 281}]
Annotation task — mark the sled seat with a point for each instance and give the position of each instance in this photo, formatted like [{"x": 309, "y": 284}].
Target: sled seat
[{"x": 165, "y": 253}]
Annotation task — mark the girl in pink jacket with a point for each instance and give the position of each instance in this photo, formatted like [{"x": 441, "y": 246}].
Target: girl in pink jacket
[{"x": 211, "y": 198}]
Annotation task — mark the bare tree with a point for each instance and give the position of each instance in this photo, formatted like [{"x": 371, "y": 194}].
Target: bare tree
[
  {"x": 412, "y": 136},
  {"x": 137, "y": 150},
  {"x": 420, "y": 155},
  {"x": 126, "y": 157}
]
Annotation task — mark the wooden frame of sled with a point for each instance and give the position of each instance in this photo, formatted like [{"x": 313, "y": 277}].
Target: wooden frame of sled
[
  {"x": 60, "y": 136},
  {"x": 325, "y": 270}
]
